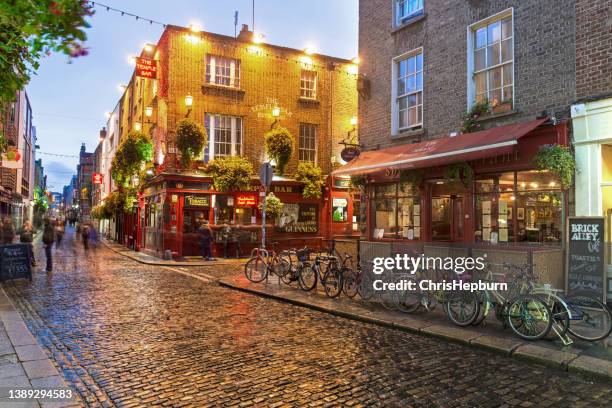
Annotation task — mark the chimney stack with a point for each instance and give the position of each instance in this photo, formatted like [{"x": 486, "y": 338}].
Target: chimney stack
[{"x": 245, "y": 34}]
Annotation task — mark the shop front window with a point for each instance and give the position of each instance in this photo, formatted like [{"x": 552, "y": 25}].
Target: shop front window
[
  {"x": 518, "y": 207},
  {"x": 397, "y": 211},
  {"x": 245, "y": 216}
]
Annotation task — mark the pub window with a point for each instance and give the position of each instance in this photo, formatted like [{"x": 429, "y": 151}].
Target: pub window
[
  {"x": 224, "y": 209},
  {"x": 307, "y": 142},
  {"x": 397, "y": 212},
  {"x": 308, "y": 84},
  {"x": 223, "y": 71},
  {"x": 224, "y": 134},
  {"x": 407, "y": 90}
]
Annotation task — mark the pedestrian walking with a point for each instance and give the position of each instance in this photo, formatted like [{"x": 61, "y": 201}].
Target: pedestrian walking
[
  {"x": 48, "y": 239},
  {"x": 234, "y": 240},
  {"x": 206, "y": 237},
  {"x": 26, "y": 236},
  {"x": 59, "y": 232},
  {"x": 226, "y": 232},
  {"x": 8, "y": 231},
  {"x": 85, "y": 235}
]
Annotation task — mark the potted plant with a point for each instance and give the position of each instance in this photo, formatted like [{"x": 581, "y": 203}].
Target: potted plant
[
  {"x": 279, "y": 146},
  {"x": 310, "y": 174},
  {"x": 470, "y": 119},
  {"x": 274, "y": 207},
  {"x": 191, "y": 138},
  {"x": 231, "y": 173},
  {"x": 503, "y": 107},
  {"x": 558, "y": 160}
]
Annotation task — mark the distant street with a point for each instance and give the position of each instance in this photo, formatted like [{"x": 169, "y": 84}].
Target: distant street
[{"x": 125, "y": 334}]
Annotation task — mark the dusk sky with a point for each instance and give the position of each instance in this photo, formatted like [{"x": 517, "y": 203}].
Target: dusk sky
[{"x": 69, "y": 100}]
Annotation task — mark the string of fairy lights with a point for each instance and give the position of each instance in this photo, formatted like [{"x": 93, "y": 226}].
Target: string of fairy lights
[{"x": 254, "y": 48}]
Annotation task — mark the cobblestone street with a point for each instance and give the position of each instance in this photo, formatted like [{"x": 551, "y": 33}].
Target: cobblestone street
[{"x": 127, "y": 334}]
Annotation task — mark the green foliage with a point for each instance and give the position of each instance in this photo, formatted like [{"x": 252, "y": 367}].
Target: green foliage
[
  {"x": 29, "y": 30},
  {"x": 412, "y": 179},
  {"x": 310, "y": 174},
  {"x": 230, "y": 173},
  {"x": 358, "y": 181},
  {"x": 102, "y": 212},
  {"x": 41, "y": 201},
  {"x": 274, "y": 206},
  {"x": 191, "y": 138},
  {"x": 3, "y": 143},
  {"x": 120, "y": 201},
  {"x": 459, "y": 173},
  {"x": 279, "y": 146},
  {"x": 558, "y": 160},
  {"x": 133, "y": 152},
  {"x": 470, "y": 119}
]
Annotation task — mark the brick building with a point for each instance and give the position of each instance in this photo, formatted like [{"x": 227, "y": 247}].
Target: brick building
[
  {"x": 437, "y": 180},
  {"x": 592, "y": 116},
  {"x": 238, "y": 89},
  {"x": 84, "y": 184}
]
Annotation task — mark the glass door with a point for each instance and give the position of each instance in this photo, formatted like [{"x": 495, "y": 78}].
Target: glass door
[{"x": 447, "y": 215}]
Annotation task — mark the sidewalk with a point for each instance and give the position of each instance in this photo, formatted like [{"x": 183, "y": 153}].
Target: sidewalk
[
  {"x": 586, "y": 358},
  {"x": 152, "y": 260},
  {"x": 23, "y": 363}
]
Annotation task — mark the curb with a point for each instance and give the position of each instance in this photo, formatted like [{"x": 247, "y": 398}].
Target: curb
[
  {"x": 517, "y": 349},
  {"x": 127, "y": 254}
]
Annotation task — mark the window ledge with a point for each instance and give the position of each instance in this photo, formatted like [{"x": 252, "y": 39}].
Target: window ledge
[
  {"x": 409, "y": 134},
  {"x": 497, "y": 115},
  {"x": 309, "y": 100},
  {"x": 221, "y": 89},
  {"x": 409, "y": 23}
]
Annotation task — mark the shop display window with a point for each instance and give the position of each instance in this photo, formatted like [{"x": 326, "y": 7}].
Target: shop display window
[
  {"x": 339, "y": 209},
  {"x": 245, "y": 216},
  {"x": 397, "y": 212},
  {"x": 518, "y": 207},
  {"x": 224, "y": 209}
]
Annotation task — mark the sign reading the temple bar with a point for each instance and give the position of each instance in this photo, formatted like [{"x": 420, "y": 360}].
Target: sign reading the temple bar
[
  {"x": 585, "y": 257},
  {"x": 197, "y": 201},
  {"x": 15, "y": 262},
  {"x": 298, "y": 218},
  {"x": 146, "y": 68},
  {"x": 97, "y": 178},
  {"x": 349, "y": 153}
]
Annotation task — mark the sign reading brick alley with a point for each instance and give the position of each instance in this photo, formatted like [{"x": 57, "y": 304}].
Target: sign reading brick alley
[
  {"x": 146, "y": 68},
  {"x": 585, "y": 256}
]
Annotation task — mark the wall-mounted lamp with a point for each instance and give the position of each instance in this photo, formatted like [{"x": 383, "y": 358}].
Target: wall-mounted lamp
[
  {"x": 148, "y": 111},
  {"x": 275, "y": 114},
  {"x": 354, "y": 121},
  {"x": 188, "y": 103},
  {"x": 102, "y": 133},
  {"x": 137, "y": 126}
]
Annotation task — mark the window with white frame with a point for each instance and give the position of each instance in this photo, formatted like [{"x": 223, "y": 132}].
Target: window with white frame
[
  {"x": 223, "y": 71},
  {"x": 408, "y": 91},
  {"x": 224, "y": 136},
  {"x": 406, "y": 9},
  {"x": 307, "y": 147},
  {"x": 308, "y": 84},
  {"x": 492, "y": 60}
]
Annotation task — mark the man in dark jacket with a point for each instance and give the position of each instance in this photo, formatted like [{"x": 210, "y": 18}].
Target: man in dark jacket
[
  {"x": 206, "y": 237},
  {"x": 48, "y": 238}
]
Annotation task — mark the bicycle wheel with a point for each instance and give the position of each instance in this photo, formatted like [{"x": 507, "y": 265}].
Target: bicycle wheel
[
  {"x": 307, "y": 277},
  {"x": 365, "y": 287},
  {"x": 332, "y": 281},
  {"x": 350, "y": 286},
  {"x": 462, "y": 308},
  {"x": 256, "y": 269},
  {"x": 591, "y": 319},
  {"x": 529, "y": 318},
  {"x": 408, "y": 301}
]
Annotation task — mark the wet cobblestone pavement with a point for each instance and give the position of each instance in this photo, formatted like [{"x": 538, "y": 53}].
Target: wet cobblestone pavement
[{"x": 131, "y": 335}]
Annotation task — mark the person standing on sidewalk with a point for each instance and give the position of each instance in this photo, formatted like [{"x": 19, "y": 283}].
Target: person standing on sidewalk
[
  {"x": 48, "y": 238},
  {"x": 26, "y": 237},
  {"x": 8, "y": 231},
  {"x": 206, "y": 237}
]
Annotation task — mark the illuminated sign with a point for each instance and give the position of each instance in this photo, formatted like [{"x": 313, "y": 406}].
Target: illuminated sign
[
  {"x": 197, "y": 201},
  {"x": 146, "y": 68},
  {"x": 246, "y": 201},
  {"x": 97, "y": 178}
]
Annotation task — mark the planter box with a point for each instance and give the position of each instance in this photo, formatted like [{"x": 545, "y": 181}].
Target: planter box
[{"x": 502, "y": 108}]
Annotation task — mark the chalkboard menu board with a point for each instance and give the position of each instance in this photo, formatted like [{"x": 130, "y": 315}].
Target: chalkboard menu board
[
  {"x": 585, "y": 256},
  {"x": 15, "y": 262}
]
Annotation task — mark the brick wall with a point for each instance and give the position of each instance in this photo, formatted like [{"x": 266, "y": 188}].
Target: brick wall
[
  {"x": 543, "y": 54},
  {"x": 269, "y": 77},
  {"x": 593, "y": 48}
]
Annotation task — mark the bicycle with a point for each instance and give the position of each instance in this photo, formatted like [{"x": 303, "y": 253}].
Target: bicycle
[
  {"x": 295, "y": 259},
  {"x": 330, "y": 276},
  {"x": 263, "y": 263}
]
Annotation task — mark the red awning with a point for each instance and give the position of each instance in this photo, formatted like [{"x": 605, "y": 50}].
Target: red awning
[{"x": 445, "y": 150}]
